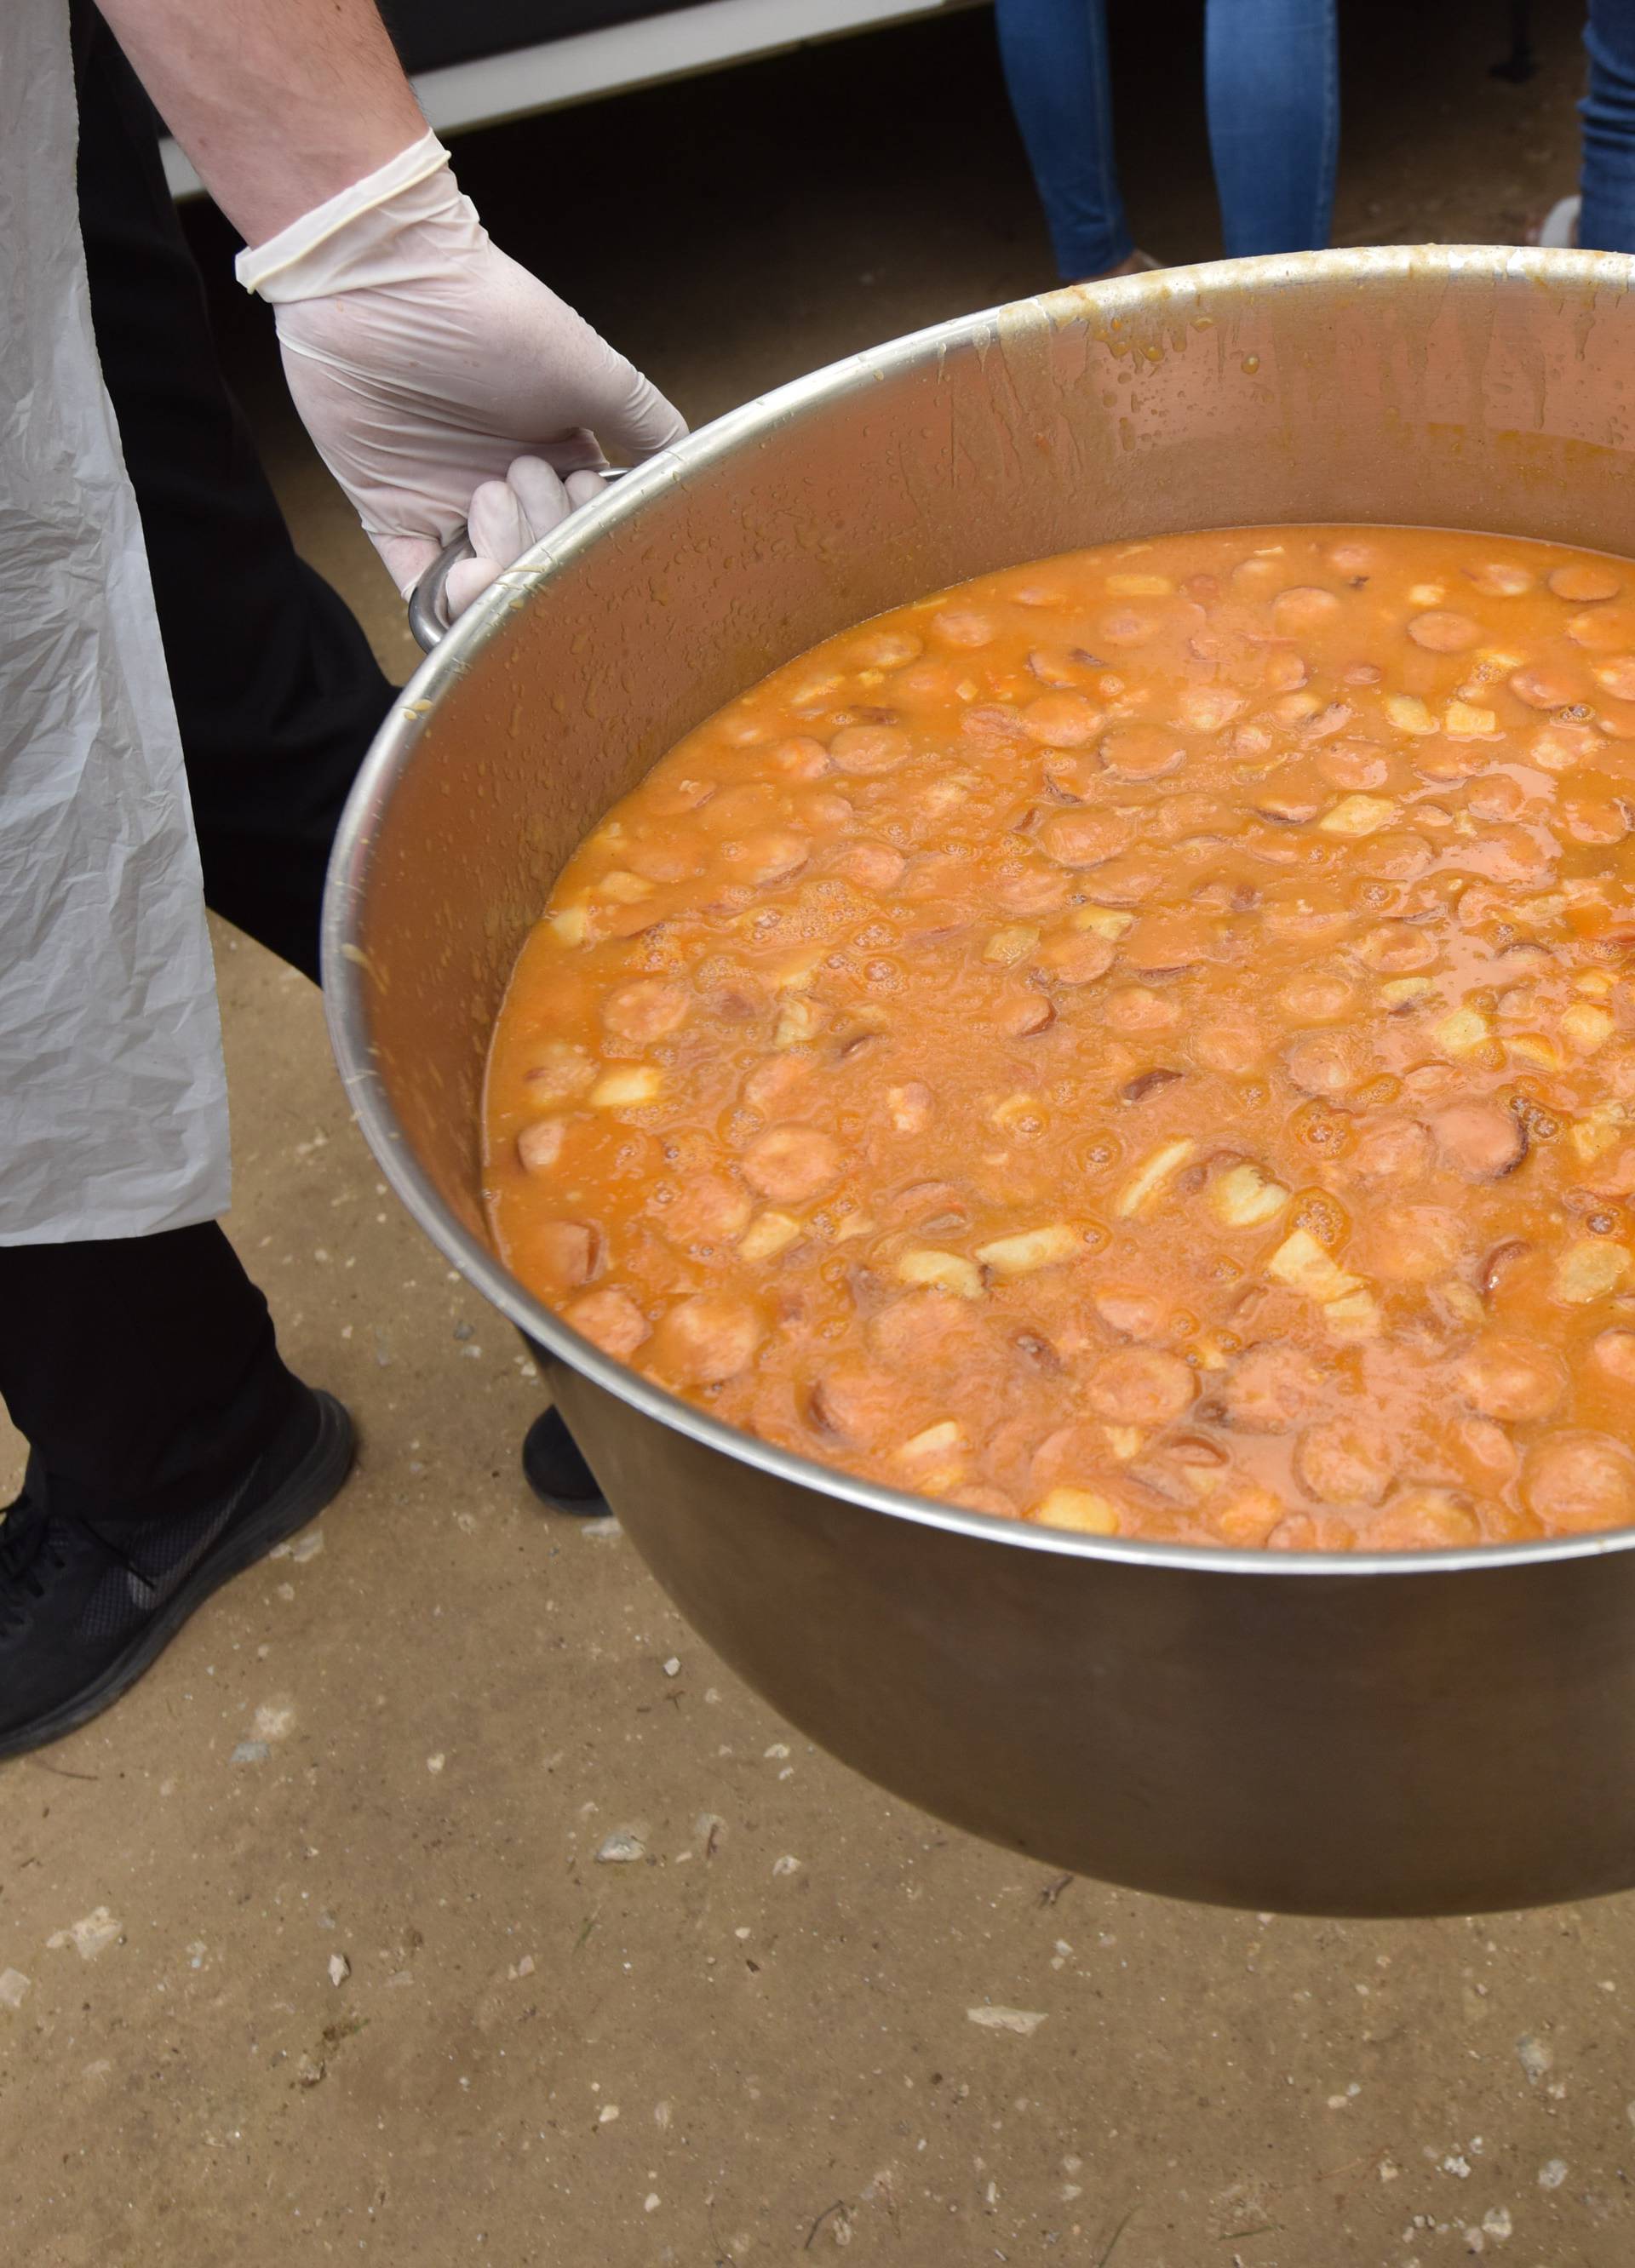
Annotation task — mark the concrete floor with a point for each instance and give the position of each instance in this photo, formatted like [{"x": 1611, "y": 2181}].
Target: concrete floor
[{"x": 306, "y": 1951}]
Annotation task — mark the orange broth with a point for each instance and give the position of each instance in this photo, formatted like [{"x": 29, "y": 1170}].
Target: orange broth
[{"x": 1144, "y": 1041}]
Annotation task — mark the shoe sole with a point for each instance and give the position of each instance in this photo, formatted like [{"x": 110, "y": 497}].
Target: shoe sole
[
  {"x": 580, "y": 1507},
  {"x": 313, "y": 1484}
]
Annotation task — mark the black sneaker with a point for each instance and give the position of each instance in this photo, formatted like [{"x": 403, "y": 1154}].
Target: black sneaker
[
  {"x": 81, "y": 1614},
  {"x": 556, "y": 1471}
]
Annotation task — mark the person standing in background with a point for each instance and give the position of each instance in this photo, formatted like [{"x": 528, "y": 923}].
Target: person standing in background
[
  {"x": 1601, "y": 217},
  {"x": 1271, "y": 73}
]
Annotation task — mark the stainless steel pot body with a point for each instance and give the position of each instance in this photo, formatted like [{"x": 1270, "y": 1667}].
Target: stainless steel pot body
[{"x": 1366, "y": 1735}]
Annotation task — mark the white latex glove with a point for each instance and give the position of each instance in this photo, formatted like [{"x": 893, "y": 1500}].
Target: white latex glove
[{"x": 442, "y": 384}]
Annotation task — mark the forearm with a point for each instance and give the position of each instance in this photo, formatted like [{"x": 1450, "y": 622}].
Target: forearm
[{"x": 280, "y": 104}]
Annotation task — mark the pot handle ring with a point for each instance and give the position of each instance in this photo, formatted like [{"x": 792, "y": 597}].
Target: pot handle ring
[{"x": 428, "y": 616}]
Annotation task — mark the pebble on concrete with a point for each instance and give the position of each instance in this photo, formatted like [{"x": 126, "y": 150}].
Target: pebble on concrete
[
  {"x": 621, "y": 1848},
  {"x": 1025, "y": 2021},
  {"x": 89, "y": 1937}
]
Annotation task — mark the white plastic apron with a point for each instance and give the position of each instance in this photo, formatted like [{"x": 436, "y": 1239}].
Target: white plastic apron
[{"x": 113, "y": 1098}]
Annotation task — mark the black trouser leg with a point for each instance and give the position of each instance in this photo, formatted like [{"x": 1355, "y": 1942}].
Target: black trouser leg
[
  {"x": 144, "y": 1371},
  {"x": 276, "y": 690}
]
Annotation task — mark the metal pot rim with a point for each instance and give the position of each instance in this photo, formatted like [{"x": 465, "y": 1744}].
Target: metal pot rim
[{"x": 1167, "y": 294}]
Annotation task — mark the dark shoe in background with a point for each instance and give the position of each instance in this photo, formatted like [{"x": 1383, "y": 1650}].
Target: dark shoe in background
[{"x": 556, "y": 1471}]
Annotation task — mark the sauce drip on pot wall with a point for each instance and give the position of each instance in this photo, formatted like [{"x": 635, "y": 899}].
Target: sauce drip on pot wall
[{"x": 1144, "y": 1041}]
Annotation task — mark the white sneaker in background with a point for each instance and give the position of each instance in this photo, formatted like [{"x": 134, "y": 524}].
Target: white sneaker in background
[{"x": 1560, "y": 231}]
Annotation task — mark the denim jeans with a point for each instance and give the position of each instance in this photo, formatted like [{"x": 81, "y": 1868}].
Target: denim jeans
[
  {"x": 1272, "y": 75},
  {"x": 1607, "y": 221}
]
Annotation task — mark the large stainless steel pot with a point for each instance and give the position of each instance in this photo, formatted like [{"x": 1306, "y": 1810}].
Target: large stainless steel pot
[{"x": 1402, "y": 1734}]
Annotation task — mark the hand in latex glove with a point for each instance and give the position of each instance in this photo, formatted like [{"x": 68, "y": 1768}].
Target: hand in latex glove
[{"x": 441, "y": 382}]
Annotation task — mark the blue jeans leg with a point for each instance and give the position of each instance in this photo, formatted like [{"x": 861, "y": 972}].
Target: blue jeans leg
[
  {"x": 1607, "y": 222},
  {"x": 1055, "y": 57},
  {"x": 1273, "y": 77}
]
